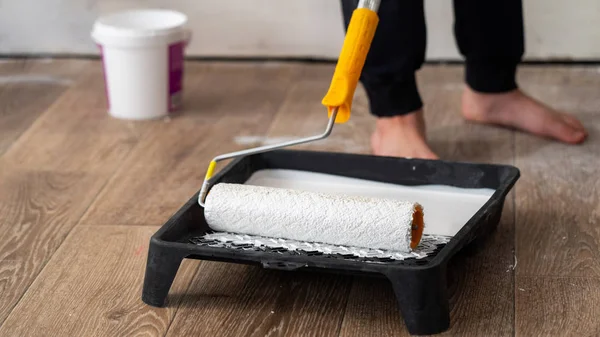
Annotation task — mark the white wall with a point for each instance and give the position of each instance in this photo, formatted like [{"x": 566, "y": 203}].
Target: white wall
[{"x": 297, "y": 28}]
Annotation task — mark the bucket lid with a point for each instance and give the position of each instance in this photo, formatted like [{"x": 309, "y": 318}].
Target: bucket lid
[{"x": 139, "y": 23}]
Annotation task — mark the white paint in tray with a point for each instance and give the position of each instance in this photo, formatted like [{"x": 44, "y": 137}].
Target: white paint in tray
[{"x": 446, "y": 208}]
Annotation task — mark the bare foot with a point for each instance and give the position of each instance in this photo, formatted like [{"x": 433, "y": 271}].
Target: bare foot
[
  {"x": 517, "y": 110},
  {"x": 401, "y": 136}
]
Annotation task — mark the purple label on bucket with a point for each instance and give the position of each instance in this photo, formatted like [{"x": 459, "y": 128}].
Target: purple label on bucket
[
  {"x": 175, "y": 75},
  {"x": 104, "y": 74}
]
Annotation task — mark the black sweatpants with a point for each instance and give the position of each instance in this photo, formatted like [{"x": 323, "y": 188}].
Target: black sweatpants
[{"x": 489, "y": 35}]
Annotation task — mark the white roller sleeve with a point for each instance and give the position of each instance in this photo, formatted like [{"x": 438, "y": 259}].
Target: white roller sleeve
[{"x": 314, "y": 217}]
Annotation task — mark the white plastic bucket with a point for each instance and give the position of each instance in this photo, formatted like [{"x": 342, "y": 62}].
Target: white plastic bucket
[{"x": 143, "y": 59}]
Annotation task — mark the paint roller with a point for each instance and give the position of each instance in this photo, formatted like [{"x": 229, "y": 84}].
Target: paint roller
[{"x": 318, "y": 217}]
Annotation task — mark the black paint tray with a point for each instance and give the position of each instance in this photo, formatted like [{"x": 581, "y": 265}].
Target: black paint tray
[{"x": 419, "y": 283}]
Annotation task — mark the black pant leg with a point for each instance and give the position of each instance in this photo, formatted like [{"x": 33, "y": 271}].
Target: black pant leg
[
  {"x": 490, "y": 36},
  {"x": 397, "y": 52}
]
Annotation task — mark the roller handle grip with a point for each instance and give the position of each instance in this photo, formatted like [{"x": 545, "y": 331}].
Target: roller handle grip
[{"x": 357, "y": 43}]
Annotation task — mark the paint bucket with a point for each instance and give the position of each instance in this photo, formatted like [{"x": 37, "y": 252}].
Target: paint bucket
[{"x": 143, "y": 58}]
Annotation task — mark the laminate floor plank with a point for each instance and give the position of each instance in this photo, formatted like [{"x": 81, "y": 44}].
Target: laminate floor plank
[
  {"x": 27, "y": 89},
  {"x": 38, "y": 209},
  {"x": 561, "y": 306},
  {"x": 92, "y": 287},
  {"x": 51, "y": 174},
  {"x": 558, "y": 211}
]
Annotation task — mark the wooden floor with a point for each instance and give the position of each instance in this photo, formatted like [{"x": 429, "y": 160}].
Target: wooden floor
[{"x": 81, "y": 193}]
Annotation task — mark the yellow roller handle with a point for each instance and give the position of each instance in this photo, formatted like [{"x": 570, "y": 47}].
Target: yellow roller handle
[{"x": 357, "y": 43}]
